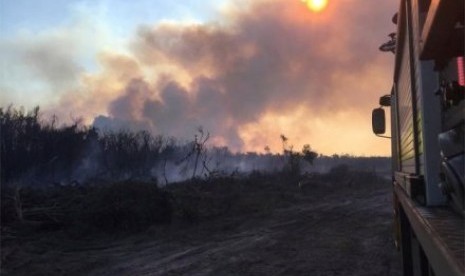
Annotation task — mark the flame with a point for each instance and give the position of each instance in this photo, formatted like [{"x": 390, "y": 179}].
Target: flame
[{"x": 316, "y": 5}]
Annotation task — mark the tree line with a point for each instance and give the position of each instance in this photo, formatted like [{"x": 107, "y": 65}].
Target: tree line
[{"x": 36, "y": 151}]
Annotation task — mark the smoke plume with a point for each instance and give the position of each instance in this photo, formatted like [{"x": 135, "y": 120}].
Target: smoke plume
[{"x": 259, "y": 70}]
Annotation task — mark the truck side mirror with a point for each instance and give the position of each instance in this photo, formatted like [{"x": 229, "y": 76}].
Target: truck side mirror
[
  {"x": 385, "y": 100},
  {"x": 378, "y": 120}
]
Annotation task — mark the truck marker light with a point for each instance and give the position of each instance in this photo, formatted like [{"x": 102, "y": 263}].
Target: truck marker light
[{"x": 461, "y": 71}]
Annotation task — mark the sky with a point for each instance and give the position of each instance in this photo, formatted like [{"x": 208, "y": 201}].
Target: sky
[{"x": 245, "y": 71}]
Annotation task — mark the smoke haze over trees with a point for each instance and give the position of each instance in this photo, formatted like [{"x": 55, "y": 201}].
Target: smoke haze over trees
[{"x": 38, "y": 152}]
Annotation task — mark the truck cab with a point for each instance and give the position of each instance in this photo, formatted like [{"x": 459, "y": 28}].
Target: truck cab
[{"x": 427, "y": 111}]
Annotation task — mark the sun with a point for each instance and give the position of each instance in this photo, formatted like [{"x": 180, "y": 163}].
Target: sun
[{"x": 316, "y": 5}]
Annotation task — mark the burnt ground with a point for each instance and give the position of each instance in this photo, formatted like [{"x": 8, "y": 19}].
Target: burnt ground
[{"x": 334, "y": 230}]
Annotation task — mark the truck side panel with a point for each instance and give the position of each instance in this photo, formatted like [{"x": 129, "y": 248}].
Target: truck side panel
[
  {"x": 409, "y": 120},
  {"x": 426, "y": 82}
]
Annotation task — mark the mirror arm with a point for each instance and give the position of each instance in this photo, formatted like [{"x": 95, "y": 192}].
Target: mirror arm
[{"x": 382, "y": 136}]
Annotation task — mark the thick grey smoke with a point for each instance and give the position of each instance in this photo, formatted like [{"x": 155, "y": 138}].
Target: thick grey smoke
[
  {"x": 261, "y": 69},
  {"x": 272, "y": 56}
]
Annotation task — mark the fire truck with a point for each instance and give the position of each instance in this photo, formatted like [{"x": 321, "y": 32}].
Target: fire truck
[{"x": 427, "y": 110}]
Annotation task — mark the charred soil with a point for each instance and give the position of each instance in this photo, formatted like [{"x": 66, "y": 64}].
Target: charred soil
[{"x": 318, "y": 225}]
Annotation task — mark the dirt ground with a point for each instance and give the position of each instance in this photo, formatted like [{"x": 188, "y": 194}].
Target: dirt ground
[{"x": 336, "y": 232}]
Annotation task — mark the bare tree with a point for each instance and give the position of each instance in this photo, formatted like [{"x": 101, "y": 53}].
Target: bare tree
[
  {"x": 200, "y": 148},
  {"x": 197, "y": 150}
]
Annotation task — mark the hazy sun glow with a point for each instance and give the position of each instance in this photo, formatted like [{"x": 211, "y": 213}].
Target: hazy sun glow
[{"x": 316, "y": 5}]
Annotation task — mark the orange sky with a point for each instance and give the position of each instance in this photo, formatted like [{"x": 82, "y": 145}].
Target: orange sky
[{"x": 258, "y": 70}]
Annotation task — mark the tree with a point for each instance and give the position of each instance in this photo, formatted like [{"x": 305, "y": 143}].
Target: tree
[
  {"x": 294, "y": 158},
  {"x": 308, "y": 154}
]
